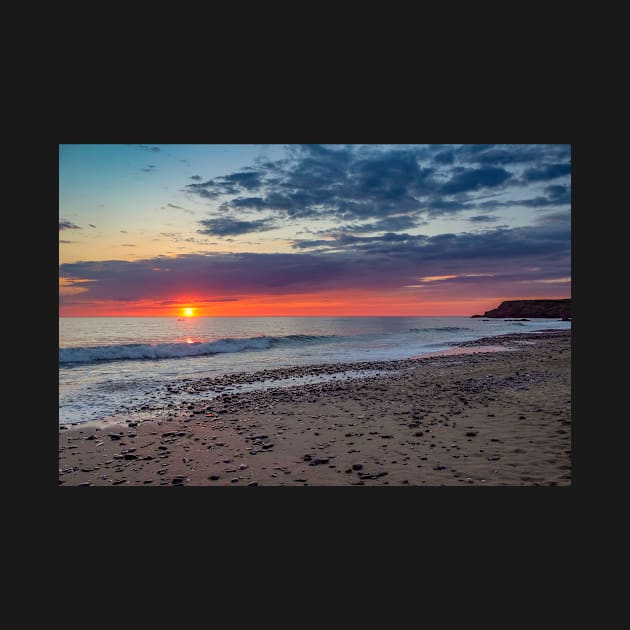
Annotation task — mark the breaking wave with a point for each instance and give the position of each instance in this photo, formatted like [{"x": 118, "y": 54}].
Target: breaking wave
[{"x": 135, "y": 352}]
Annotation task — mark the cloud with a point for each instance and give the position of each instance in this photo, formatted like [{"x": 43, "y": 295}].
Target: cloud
[
  {"x": 368, "y": 184},
  {"x": 67, "y": 225},
  {"x": 128, "y": 245},
  {"x": 91, "y": 225},
  {"x": 557, "y": 218},
  {"x": 123, "y": 231},
  {"x": 66, "y": 242},
  {"x": 490, "y": 262},
  {"x": 186, "y": 210},
  {"x": 549, "y": 171},
  {"x": 149, "y": 168},
  {"x": 483, "y": 218},
  {"x": 555, "y": 196},
  {"x": 511, "y": 154},
  {"x": 466, "y": 180},
  {"x": 387, "y": 224},
  {"x": 195, "y": 177},
  {"x": 548, "y": 238},
  {"x": 230, "y": 227},
  {"x": 315, "y": 181},
  {"x": 445, "y": 157},
  {"x": 193, "y": 301},
  {"x": 558, "y": 194},
  {"x": 146, "y": 147}
]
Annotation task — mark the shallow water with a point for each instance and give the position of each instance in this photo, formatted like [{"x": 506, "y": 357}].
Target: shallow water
[{"x": 112, "y": 365}]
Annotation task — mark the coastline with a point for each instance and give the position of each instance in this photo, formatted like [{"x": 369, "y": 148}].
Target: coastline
[{"x": 480, "y": 418}]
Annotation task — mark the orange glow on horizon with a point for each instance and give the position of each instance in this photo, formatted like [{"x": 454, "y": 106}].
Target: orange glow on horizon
[{"x": 333, "y": 304}]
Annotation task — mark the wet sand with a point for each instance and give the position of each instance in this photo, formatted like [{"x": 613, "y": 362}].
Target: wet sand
[{"x": 486, "y": 418}]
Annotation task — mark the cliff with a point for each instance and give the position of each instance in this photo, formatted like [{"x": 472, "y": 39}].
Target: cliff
[{"x": 531, "y": 308}]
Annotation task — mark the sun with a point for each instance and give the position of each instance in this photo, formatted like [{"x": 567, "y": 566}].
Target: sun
[{"x": 188, "y": 312}]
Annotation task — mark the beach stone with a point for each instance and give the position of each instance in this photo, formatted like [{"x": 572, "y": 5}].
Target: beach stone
[
  {"x": 253, "y": 483},
  {"x": 357, "y": 466},
  {"x": 114, "y": 436},
  {"x": 471, "y": 434},
  {"x": 214, "y": 477},
  {"x": 178, "y": 480}
]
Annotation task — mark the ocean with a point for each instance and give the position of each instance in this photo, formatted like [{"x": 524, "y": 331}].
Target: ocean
[{"x": 110, "y": 366}]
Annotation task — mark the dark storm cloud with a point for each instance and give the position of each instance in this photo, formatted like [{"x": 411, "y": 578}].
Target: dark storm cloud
[
  {"x": 67, "y": 225},
  {"x": 231, "y": 227}
]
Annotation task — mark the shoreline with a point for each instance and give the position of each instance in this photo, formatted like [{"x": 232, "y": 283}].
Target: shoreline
[{"x": 412, "y": 424}]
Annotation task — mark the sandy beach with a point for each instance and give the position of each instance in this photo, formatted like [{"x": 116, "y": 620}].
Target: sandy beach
[{"x": 467, "y": 417}]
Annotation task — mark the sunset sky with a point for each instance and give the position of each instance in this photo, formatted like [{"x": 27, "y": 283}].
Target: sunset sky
[{"x": 152, "y": 229}]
